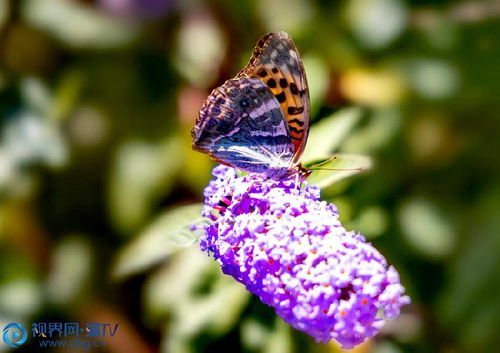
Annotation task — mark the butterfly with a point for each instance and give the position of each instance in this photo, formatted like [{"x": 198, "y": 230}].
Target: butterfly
[{"x": 258, "y": 121}]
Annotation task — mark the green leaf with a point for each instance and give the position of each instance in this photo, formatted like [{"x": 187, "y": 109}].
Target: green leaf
[
  {"x": 203, "y": 301},
  {"x": 324, "y": 178},
  {"x": 71, "y": 270},
  {"x": 426, "y": 228},
  {"x": 327, "y": 135},
  {"x": 254, "y": 334},
  {"x": 66, "y": 95},
  {"x": 280, "y": 340},
  {"x": 167, "y": 234},
  {"x": 77, "y": 25},
  {"x": 141, "y": 173}
]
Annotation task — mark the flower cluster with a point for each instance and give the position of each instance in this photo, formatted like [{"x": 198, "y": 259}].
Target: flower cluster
[{"x": 289, "y": 248}]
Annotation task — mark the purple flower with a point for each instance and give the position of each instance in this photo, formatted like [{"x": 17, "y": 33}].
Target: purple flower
[{"x": 289, "y": 248}]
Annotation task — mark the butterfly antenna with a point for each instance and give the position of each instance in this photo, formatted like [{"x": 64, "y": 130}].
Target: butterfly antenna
[
  {"x": 340, "y": 169},
  {"x": 324, "y": 162}
]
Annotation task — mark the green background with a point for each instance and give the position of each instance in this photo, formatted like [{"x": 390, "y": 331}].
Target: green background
[{"x": 97, "y": 99}]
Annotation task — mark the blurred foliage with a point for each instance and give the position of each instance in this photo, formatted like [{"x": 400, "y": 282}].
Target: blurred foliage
[{"x": 97, "y": 98}]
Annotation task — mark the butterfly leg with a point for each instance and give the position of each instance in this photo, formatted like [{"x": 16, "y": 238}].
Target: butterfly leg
[{"x": 298, "y": 181}]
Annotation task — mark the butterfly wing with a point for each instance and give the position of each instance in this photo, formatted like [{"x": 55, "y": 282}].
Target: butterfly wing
[
  {"x": 241, "y": 124},
  {"x": 276, "y": 62}
]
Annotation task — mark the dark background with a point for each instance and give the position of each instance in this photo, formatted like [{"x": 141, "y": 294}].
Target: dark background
[{"x": 96, "y": 102}]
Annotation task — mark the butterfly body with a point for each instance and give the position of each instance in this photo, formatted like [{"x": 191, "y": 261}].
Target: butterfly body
[{"x": 259, "y": 121}]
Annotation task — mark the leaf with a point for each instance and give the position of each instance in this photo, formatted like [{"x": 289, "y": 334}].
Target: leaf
[
  {"x": 77, "y": 25},
  {"x": 204, "y": 300},
  {"x": 141, "y": 173},
  {"x": 253, "y": 333},
  {"x": 71, "y": 271},
  {"x": 66, "y": 95},
  {"x": 167, "y": 234},
  {"x": 325, "y": 178},
  {"x": 426, "y": 228},
  {"x": 327, "y": 135},
  {"x": 280, "y": 340}
]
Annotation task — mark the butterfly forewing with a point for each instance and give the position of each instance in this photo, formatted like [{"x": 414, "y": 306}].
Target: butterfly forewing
[
  {"x": 276, "y": 62},
  {"x": 241, "y": 124}
]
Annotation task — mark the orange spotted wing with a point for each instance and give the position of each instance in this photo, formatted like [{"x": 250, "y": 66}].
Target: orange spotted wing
[{"x": 276, "y": 62}]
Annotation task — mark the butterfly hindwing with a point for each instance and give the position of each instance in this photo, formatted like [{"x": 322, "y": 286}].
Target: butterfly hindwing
[
  {"x": 241, "y": 124},
  {"x": 276, "y": 62}
]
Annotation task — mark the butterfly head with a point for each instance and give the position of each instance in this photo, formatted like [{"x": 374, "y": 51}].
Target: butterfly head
[
  {"x": 286, "y": 172},
  {"x": 303, "y": 172}
]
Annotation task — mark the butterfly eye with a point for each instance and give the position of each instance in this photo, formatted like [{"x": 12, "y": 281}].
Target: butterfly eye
[{"x": 221, "y": 101}]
